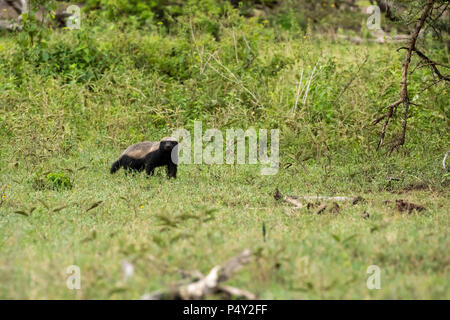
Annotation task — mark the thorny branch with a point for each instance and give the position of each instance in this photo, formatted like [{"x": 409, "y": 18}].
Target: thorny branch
[{"x": 404, "y": 97}]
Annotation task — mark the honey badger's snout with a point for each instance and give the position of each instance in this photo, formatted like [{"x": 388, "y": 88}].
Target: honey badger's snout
[{"x": 167, "y": 147}]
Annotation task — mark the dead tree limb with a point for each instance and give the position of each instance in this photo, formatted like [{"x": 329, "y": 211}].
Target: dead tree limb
[
  {"x": 433, "y": 65},
  {"x": 209, "y": 284},
  {"x": 353, "y": 200},
  {"x": 296, "y": 200},
  {"x": 404, "y": 97}
]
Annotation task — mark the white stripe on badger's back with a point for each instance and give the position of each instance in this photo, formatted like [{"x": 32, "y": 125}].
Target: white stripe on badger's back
[
  {"x": 169, "y": 139},
  {"x": 154, "y": 147},
  {"x": 141, "y": 149}
]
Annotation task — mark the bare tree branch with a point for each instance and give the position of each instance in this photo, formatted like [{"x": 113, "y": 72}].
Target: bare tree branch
[
  {"x": 203, "y": 286},
  {"x": 432, "y": 64},
  {"x": 404, "y": 97}
]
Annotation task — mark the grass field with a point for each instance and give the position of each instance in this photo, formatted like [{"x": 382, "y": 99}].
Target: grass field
[{"x": 68, "y": 111}]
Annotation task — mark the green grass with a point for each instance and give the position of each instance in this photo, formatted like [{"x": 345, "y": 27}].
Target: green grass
[
  {"x": 304, "y": 256},
  {"x": 61, "y": 130}
]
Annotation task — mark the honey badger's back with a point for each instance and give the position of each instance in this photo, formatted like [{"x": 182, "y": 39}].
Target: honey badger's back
[
  {"x": 134, "y": 156},
  {"x": 140, "y": 150}
]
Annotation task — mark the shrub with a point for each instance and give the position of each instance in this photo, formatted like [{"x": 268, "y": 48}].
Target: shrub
[{"x": 58, "y": 181}]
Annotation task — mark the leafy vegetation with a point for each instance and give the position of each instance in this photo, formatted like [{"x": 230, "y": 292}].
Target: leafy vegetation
[{"x": 72, "y": 100}]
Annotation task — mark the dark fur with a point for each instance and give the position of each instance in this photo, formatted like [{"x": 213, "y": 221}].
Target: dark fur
[
  {"x": 162, "y": 157},
  {"x": 158, "y": 154},
  {"x": 129, "y": 164}
]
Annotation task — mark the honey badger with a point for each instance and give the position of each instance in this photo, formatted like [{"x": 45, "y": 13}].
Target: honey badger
[{"x": 148, "y": 155}]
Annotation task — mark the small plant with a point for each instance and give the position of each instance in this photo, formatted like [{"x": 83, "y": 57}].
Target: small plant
[{"x": 58, "y": 181}]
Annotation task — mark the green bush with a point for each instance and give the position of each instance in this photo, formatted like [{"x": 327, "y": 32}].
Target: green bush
[
  {"x": 77, "y": 58},
  {"x": 168, "y": 56},
  {"x": 58, "y": 181},
  {"x": 143, "y": 11},
  {"x": 80, "y": 61}
]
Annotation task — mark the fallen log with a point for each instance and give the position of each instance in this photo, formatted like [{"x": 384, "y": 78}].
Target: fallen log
[
  {"x": 209, "y": 284},
  {"x": 353, "y": 200},
  {"x": 295, "y": 200}
]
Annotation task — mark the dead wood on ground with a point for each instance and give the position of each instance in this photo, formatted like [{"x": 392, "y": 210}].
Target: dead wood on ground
[{"x": 203, "y": 286}]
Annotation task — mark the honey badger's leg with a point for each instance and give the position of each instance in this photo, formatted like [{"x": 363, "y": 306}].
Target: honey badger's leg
[
  {"x": 149, "y": 166},
  {"x": 129, "y": 170},
  {"x": 150, "y": 170},
  {"x": 126, "y": 164},
  {"x": 151, "y": 161},
  {"x": 130, "y": 164},
  {"x": 171, "y": 170}
]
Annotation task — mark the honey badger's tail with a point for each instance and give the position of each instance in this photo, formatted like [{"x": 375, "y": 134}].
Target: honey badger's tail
[{"x": 115, "y": 166}]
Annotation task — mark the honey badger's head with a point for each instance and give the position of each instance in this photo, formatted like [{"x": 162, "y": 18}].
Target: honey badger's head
[{"x": 167, "y": 144}]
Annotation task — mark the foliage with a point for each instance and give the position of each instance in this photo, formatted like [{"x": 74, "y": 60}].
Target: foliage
[
  {"x": 72, "y": 100},
  {"x": 58, "y": 181},
  {"x": 151, "y": 11}
]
